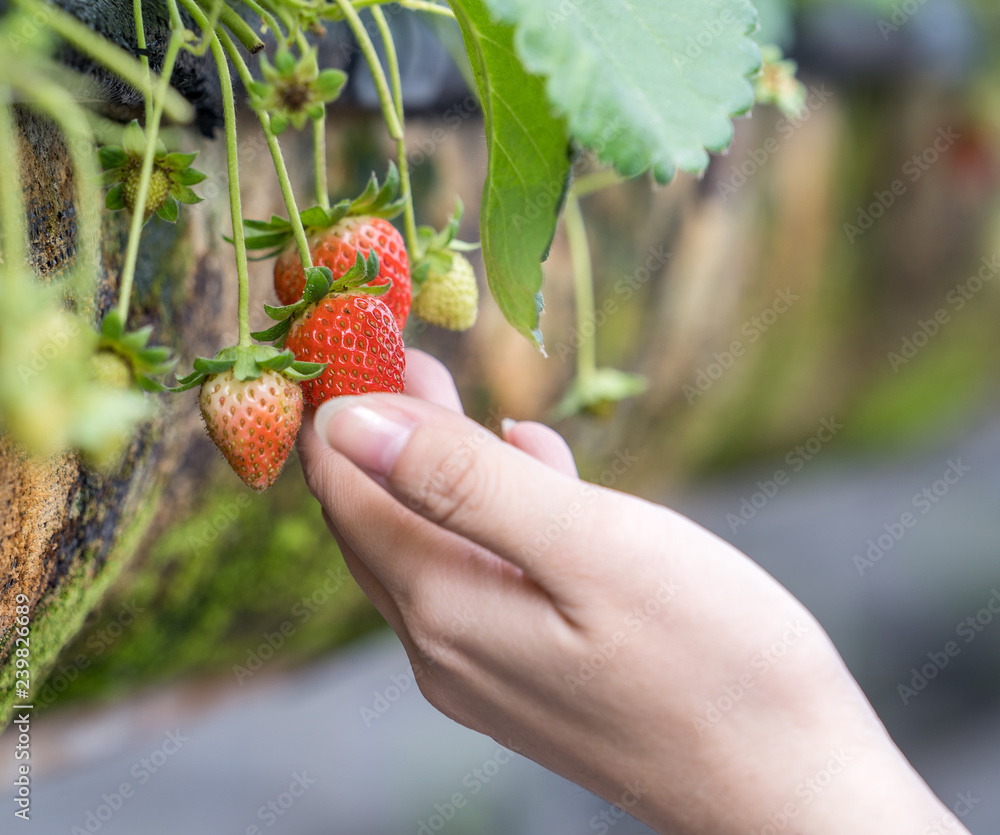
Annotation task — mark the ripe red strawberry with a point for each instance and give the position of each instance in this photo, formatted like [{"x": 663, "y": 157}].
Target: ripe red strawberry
[
  {"x": 357, "y": 335},
  {"x": 338, "y": 247},
  {"x": 252, "y": 422}
]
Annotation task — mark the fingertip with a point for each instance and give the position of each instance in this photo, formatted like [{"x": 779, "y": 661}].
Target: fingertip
[
  {"x": 427, "y": 378},
  {"x": 540, "y": 442}
]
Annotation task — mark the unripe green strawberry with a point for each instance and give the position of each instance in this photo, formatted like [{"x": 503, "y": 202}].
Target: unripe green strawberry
[
  {"x": 111, "y": 369},
  {"x": 156, "y": 196},
  {"x": 449, "y": 296}
]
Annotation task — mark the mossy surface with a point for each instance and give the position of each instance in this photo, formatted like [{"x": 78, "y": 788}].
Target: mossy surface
[{"x": 247, "y": 582}]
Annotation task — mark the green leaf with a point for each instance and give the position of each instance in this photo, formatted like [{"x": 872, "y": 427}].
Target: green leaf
[
  {"x": 278, "y": 239},
  {"x": 169, "y": 211},
  {"x": 279, "y": 122},
  {"x": 329, "y": 83},
  {"x": 112, "y": 156},
  {"x": 528, "y": 169},
  {"x": 189, "y": 177},
  {"x": 115, "y": 200},
  {"x": 184, "y": 194},
  {"x": 646, "y": 84},
  {"x": 134, "y": 139},
  {"x": 178, "y": 161},
  {"x": 314, "y": 216}
]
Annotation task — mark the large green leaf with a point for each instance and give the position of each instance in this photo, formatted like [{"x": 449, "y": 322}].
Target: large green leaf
[
  {"x": 529, "y": 165},
  {"x": 645, "y": 83}
]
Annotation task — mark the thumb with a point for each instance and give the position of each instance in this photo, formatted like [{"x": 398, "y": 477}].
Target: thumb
[{"x": 462, "y": 478}]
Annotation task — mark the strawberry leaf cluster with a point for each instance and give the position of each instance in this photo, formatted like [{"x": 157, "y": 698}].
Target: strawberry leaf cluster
[
  {"x": 295, "y": 91},
  {"x": 377, "y": 200},
  {"x": 319, "y": 284},
  {"x": 170, "y": 181}
]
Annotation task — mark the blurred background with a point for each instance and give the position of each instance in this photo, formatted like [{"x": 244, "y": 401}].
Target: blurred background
[{"x": 817, "y": 321}]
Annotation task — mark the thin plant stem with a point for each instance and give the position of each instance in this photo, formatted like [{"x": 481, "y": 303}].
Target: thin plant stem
[
  {"x": 583, "y": 287},
  {"x": 410, "y": 5},
  {"x": 280, "y": 169},
  {"x": 140, "y": 39},
  {"x": 378, "y": 75},
  {"x": 269, "y": 19},
  {"x": 319, "y": 161},
  {"x": 152, "y": 133},
  {"x": 220, "y": 43},
  {"x": 597, "y": 181},
  {"x": 409, "y": 216},
  {"x": 235, "y": 203}
]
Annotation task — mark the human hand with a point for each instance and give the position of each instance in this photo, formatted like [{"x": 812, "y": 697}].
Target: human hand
[{"x": 609, "y": 639}]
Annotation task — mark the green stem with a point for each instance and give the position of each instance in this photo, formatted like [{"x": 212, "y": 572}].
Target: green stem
[
  {"x": 378, "y": 75},
  {"x": 411, "y": 5},
  {"x": 238, "y": 26},
  {"x": 319, "y": 161},
  {"x": 409, "y": 216},
  {"x": 119, "y": 62},
  {"x": 583, "y": 287},
  {"x": 11, "y": 206},
  {"x": 140, "y": 39},
  {"x": 145, "y": 173},
  {"x": 598, "y": 181},
  {"x": 269, "y": 19},
  {"x": 235, "y": 204},
  {"x": 301, "y": 241}
]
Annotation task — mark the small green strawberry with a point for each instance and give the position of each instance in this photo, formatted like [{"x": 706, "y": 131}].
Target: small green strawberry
[
  {"x": 170, "y": 179},
  {"x": 449, "y": 295},
  {"x": 111, "y": 369},
  {"x": 445, "y": 292},
  {"x": 157, "y": 193}
]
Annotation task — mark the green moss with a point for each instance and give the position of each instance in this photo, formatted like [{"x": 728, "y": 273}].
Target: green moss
[
  {"x": 216, "y": 592},
  {"x": 63, "y": 614}
]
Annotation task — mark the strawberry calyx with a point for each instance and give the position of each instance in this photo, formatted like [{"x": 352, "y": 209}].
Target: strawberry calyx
[
  {"x": 377, "y": 200},
  {"x": 145, "y": 362},
  {"x": 320, "y": 284},
  {"x": 596, "y": 393},
  {"x": 292, "y": 92},
  {"x": 434, "y": 249},
  {"x": 170, "y": 181},
  {"x": 249, "y": 363}
]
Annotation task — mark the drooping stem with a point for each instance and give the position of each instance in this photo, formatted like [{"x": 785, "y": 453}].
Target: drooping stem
[
  {"x": 235, "y": 203},
  {"x": 11, "y": 206},
  {"x": 269, "y": 19},
  {"x": 140, "y": 39},
  {"x": 378, "y": 75},
  {"x": 411, "y": 5},
  {"x": 145, "y": 173},
  {"x": 319, "y": 161},
  {"x": 238, "y": 26},
  {"x": 597, "y": 181},
  {"x": 583, "y": 288},
  {"x": 409, "y": 217},
  {"x": 301, "y": 241}
]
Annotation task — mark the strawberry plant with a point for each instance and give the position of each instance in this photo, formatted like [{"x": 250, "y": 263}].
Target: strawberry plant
[
  {"x": 576, "y": 98},
  {"x": 566, "y": 113}
]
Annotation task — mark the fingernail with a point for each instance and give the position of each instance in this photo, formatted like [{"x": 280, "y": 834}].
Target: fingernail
[
  {"x": 506, "y": 425},
  {"x": 370, "y": 434}
]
